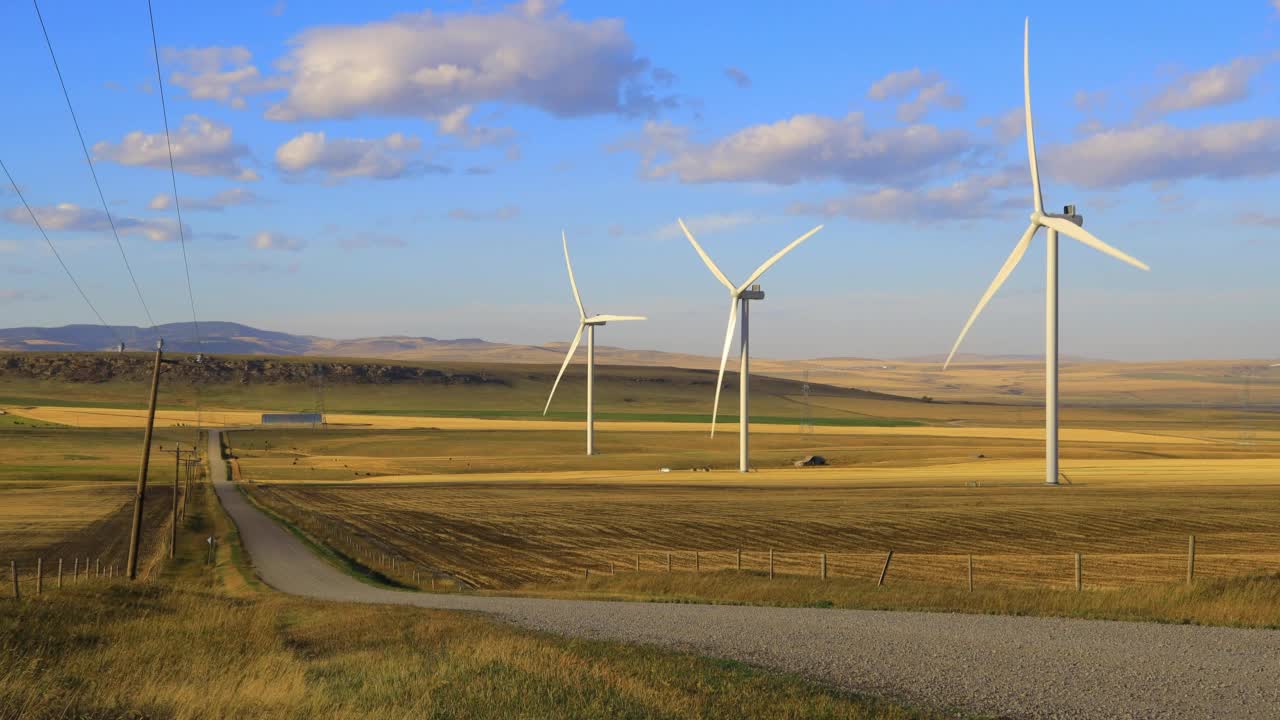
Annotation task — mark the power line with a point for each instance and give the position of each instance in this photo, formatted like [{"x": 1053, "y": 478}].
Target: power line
[
  {"x": 56, "y": 254},
  {"x": 89, "y": 159},
  {"x": 177, "y": 205},
  {"x": 173, "y": 176}
]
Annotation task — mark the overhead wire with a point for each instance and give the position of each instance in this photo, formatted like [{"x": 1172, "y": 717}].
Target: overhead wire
[
  {"x": 70, "y": 276},
  {"x": 177, "y": 205},
  {"x": 173, "y": 176},
  {"x": 89, "y": 159}
]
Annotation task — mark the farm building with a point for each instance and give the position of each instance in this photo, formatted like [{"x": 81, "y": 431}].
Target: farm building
[{"x": 312, "y": 419}]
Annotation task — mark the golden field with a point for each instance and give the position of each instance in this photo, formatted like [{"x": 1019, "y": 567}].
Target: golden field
[
  {"x": 482, "y": 490},
  {"x": 68, "y": 493},
  {"x": 1130, "y": 519}
]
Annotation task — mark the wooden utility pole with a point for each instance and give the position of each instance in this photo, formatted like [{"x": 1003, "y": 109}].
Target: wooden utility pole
[
  {"x": 135, "y": 535},
  {"x": 173, "y": 516},
  {"x": 186, "y": 493},
  {"x": 885, "y": 570}
]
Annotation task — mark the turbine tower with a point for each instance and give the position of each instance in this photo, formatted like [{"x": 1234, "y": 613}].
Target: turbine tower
[
  {"x": 1068, "y": 223},
  {"x": 739, "y": 298},
  {"x": 589, "y": 324}
]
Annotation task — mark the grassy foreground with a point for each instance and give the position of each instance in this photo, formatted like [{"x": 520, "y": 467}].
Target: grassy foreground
[
  {"x": 1246, "y": 601},
  {"x": 200, "y": 642}
]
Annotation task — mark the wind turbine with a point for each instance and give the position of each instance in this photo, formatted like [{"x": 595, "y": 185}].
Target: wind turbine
[
  {"x": 589, "y": 324},
  {"x": 739, "y": 299},
  {"x": 1068, "y": 223}
]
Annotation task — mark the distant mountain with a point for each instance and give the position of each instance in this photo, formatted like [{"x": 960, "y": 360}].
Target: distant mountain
[
  {"x": 227, "y": 338},
  {"x": 216, "y": 337}
]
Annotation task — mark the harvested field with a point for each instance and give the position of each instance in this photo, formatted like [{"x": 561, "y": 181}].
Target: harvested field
[{"x": 1131, "y": 524}]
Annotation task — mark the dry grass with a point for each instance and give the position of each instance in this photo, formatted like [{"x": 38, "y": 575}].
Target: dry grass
[
  {"x": 183, "y": 647},
  {"x": 1245, "y": 601}
]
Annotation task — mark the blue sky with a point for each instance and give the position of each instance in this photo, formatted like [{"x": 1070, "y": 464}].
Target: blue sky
[{"x": 354, "y": 169}]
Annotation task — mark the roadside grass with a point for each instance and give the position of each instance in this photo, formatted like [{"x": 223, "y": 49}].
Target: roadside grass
[
  {"x": 1244, "y": 601},
  {"x": 187, "y": 646}
]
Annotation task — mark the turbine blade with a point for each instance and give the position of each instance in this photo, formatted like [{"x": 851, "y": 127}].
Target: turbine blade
[
  {"x": 1031, "y": 133},
  {"x": 614, "y": 318},
  {"x": 724, "y": 359},
  {"x": 1066, "y": 227},
  {"x": 705, "y": 258},
  {"x": 573, "y": 347},
  {"x": 777, "y": 256},
  {"x": 582, "y": 313},
  {"x": 1012, "y": 262}
]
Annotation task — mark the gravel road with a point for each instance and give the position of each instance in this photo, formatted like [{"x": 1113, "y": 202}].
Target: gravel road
[{"x": 1006, "y": 666}]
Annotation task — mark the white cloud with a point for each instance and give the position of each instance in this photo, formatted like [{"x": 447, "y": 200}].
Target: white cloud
[
  {"x": 935, "y": 95},
  {"x": 200, "y": 147},
  {"x": 900, "y": 83},
  {"x": 223, "y": 74},
  {"x": 429, "y": 64},
  {"x": 506, "y": 212},
  {"x": 385, "y": 158},
  {"x": 1086, "y": 101},
  {"x": 1007, "y": 126},
  {"x": 73, "y": 218},
  {"x": 1218, "y": 85},
  {"x": 277, "y": 241},
  {"x": 930, "y": 91},
  {"x": 707, "y": 224},
  {"x": 216, "y": 203},
  {"x": 803, "y": 147},
  {"x": 738, "y": 77},
  {"x": 1163, "y": 152},
  {"x": 457, "y": 123},
  {"x": 971, "y": 197}
]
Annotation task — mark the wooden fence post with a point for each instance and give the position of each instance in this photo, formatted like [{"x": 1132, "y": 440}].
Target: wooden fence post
[
  {"x": 739, "y": 559},
  {"x": 39, "y": 575},
  {"x": 1079, "y": 579},
  {"x": 971, "y": 572},
  {"x": 824, "y": 566},
  {"x": 75, "y": 569},
  {"x": 59, "y": 573},
  {"x": 770, "y": 563},
  {"x": 697, "y": 561},
  {"x": 433, "y": 582},
  {"x": 97, "y": 568},
  {"x": 13, "y": 571},
  {"x": 668, "y": 562},
  {"x": 637, "y": 562},
  {"x": 611, "y": 570},
  {"x": 884, "y": 570}
]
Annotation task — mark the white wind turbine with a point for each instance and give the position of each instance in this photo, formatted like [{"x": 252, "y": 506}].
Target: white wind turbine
[
  {"x": 589, "y": 324},
  {"x": 1068, "y": 223},
  {"x": 740, "y": 297}
]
